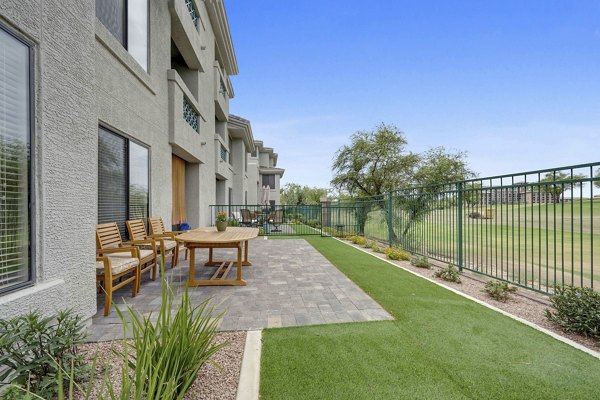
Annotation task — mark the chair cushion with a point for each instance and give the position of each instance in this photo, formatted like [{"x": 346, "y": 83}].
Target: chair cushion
[
  {"x": 169, "y": 245},
  {"x": 119, "y": 264},
  {"x": 143, "y": 253}
]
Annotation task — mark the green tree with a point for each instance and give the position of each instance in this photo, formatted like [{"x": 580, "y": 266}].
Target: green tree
[
  {"x": 559, "y": 183},
  {"x": 377, "y": 162},
  {"x": 295, "y": 194}
]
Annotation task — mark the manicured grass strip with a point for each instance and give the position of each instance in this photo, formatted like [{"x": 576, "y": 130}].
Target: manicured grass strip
[{"x": 441, "y": 346}]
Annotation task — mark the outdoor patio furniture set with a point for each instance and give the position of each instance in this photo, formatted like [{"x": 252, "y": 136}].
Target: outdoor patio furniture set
[
  {"x": 260, "y": 218},
  {"x": 119, "y": 262}
]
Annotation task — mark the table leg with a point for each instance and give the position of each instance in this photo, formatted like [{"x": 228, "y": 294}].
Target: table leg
[
  {"x": 192, "y": 278},
  {"x": 246, "y": 262},
  {"x": 239, "y": 261}
]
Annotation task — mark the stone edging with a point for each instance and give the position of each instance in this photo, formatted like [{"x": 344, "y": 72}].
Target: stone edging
[
  {"x": 522, "y": 320},
  {"x": 248, "y": 386}
]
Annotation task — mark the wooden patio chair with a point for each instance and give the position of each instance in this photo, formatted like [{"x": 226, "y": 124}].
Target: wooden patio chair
[
  {"x": 108, "y": 237},
  {"x": 276, "y": 218},
  {"x": 247, "y": 218},
  {"x": 157, "y": 230},
  {"x": 137, "y": 231},
  {"x": 110, "y": 269}
]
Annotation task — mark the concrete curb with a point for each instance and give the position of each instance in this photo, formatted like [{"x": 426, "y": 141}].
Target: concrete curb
[
  {"x": 483, "y": 303},
  {"x": 248, "y": 387}
]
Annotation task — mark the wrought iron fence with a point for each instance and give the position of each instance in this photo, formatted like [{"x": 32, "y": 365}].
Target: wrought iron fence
[
  {"x": 536, "y": 229},
  {"x": 273, "y": 220}
]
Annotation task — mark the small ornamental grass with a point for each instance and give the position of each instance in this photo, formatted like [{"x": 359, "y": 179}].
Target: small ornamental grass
[
  {"x": 33, "y": 350},
  {"x": 499, "y": 290},
  {"x": 420, "y": 262},
  {"x": 576, "y": 310},
  {"x": 359, "y": 240},
  {"x": 161, "y": 361},
  {"x": 376, "y": 248},
  {"x": 450, "y": 274},
  {"x": 396, "y": 254}
]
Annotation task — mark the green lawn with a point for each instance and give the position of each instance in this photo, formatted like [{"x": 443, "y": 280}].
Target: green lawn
[{"x": 441, "y": 346}]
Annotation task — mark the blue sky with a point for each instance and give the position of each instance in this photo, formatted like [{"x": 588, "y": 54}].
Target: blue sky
[{"x": 516, "y": 84}]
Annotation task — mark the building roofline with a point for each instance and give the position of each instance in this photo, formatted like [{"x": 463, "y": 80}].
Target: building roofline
[
  {"x": 271, "y": 170},
  {"x": 242, "y": 125},
  {"x": 220, "y": 24}
]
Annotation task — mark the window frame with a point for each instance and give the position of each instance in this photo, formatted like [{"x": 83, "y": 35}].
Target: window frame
[
  {"x": 31, "y": 166},
  {"x": 128, "y": 138}
]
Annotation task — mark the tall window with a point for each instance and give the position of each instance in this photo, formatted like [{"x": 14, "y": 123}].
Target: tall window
[
  {"x": 127, "y": 20},
  {"x": 15, "y": 178},
  {"x": 123, "y": 185},
  {"x": 268, "y": 180}
]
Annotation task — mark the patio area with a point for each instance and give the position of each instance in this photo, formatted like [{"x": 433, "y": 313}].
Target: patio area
[{"x": 289, "y": 284}]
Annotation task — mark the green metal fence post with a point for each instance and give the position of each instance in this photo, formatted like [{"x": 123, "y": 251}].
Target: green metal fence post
[
  {"x": 390, "y": 220},
  {"x": 460, "y": 224}
]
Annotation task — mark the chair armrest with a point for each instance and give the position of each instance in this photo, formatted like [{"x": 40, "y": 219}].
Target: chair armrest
[
  {"x": 150, "y": 242},
  {"x": 170, "y": 235},
  {"x": 132, "y": 250}
]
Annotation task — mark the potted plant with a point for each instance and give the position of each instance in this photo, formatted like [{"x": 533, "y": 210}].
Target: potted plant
[{"x": 221, "y": 221}]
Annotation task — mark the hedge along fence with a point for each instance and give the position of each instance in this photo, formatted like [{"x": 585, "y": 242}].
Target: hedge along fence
[{"x": 537, "y": 229}]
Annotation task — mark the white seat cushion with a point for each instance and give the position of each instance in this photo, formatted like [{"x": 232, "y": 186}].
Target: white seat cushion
[
  {"x": 118, "y": 264},
  {"x": 169, "y": 244},
  {"x": 143, "y": 253}
]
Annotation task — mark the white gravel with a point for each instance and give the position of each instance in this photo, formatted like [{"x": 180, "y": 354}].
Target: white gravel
[{"x": 217, "y": 380}]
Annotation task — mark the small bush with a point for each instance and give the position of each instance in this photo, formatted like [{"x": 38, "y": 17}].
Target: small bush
[
  {"x": 368, "y": 244},
  {"x": 397, "y": 254},
  {"x": 421, "y": 262},
  {"x": 576, "y": 310},
  {"x": 450, "y": 274},
  {"x": 233, "y": 222},
  {"x": 315, "y": 223},
  {"x": 475, "y": 215},
  {"x": 33, "y": 349},
  {"x": 376, "y": 248},
  {"x": 498, "y": 290},
  {"x": 359, "y": 240}
]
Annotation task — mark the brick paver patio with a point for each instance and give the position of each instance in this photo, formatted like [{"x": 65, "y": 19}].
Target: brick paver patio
[{"x": 289, "y": 284}]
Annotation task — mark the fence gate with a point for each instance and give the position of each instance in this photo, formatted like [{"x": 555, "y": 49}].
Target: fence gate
[{"x": 274, "y": 220}]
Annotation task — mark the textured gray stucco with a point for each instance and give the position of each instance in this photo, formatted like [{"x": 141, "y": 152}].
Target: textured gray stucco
[{"x": 65, "y": 154}]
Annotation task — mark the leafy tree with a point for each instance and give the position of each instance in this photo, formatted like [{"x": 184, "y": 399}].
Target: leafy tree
[
  {"x": 438, "y": 167},
  {"x": 377, "y": 162},
  {"x": 560, "y": 183},
  {"x": 471, "y": 195},
  {"x": 295, "y": 194}
]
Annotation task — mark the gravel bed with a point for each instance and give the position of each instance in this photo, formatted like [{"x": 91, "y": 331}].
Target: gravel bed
[
  {"x": 213, "y": 383},
  {"x": 526, "y": 304}
]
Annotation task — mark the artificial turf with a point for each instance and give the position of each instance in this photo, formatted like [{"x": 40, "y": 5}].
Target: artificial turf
[{"x": 441, "y": 346}]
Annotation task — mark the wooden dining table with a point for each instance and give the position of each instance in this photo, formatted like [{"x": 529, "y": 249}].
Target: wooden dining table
[{"x": 209, "y": 238}]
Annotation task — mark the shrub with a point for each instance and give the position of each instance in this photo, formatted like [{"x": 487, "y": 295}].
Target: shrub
[
  {"x": 397, "y": 254},
  {"x": 498, "y": 290},
  {"x": 359, "y": 240},
  {"x": 421, "y": 262},
  {"x": 576, "y": 310},
  {"x": 376, "y": 248},
  {"x": 450, "y": 274},
  {"x": 368, "y": 244},
  {"x": 233, "y": 222},
  {"x": 33, "y": 349},
  {"x": 176, "y": 346},
  {"x": 315, "y": 223}
]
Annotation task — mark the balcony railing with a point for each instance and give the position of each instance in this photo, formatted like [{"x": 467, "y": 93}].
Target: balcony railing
[
  {"x": 190, "y": 115},
  {"x": 193, "y": 12}
]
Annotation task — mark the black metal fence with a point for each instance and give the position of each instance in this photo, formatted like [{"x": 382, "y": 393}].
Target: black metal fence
[
  {"x": 277, "y": 220},
  {"x": 537, "y": 229}
]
